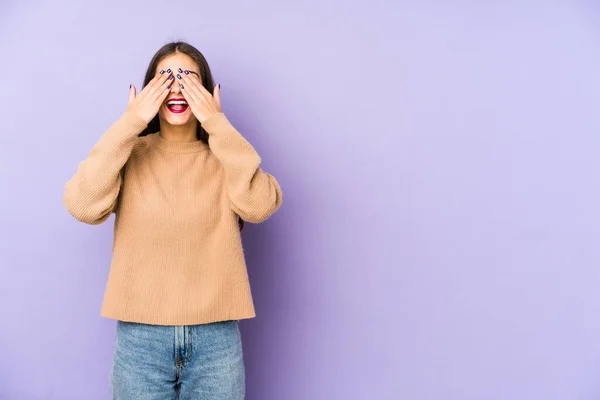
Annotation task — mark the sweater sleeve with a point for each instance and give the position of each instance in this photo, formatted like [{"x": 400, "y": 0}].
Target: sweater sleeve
[
  {"x": 253, "y": 194},
  {"x": 91, "y": 194}
]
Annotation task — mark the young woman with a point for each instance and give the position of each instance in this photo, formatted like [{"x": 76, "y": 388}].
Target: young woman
[{"x": 181, "y": 180}]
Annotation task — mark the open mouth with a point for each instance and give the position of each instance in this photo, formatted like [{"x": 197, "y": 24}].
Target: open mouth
[{"x": 177, "y": 106}]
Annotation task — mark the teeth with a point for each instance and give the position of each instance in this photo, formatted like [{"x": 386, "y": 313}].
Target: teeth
[{"x": 182, "y": 102}]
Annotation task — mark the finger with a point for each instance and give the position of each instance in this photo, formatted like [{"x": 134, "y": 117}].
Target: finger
[
  {"x": 195, "y": 103},
  {"x": 193, "y": 86},
  {"x": 189, "y": 93},
  {"x": 150, "y": 84},
  {"x": 217, "y": 94},
  {"x": 161, "y": 94},
  {"x": 153, "y": 85},
  {"x": 187, "y": 96},
  {"x": 131, "y": 93},
  {"x": 200, "y": 89},
  {"x": 159, "y": 84}
]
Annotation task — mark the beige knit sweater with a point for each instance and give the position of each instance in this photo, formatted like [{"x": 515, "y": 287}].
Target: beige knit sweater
[{"x": 177, "y": 253}]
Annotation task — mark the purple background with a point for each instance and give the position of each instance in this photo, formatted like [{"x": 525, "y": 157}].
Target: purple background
[{"x": 439, "y": 161}]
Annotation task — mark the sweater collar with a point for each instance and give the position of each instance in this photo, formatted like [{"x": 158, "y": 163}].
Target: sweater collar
[{"x": 176, "y": 147}]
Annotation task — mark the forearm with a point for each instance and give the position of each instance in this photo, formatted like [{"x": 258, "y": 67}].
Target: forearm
[
  {"x": 254, "y": 194},
  {"x": 91, "y": 194}
]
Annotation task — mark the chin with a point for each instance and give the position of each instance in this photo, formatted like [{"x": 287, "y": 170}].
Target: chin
[{"x": 171, "y": 118}]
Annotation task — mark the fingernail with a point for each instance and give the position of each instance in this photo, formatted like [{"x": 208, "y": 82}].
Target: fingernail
[
  {"x": 162, "y": 71},
  {"x": 171, "y": 77},
  {"x": 130, "y": 86},
  {"x": 219, "y": 85},
  {"x": 169, "y": 70},
  {"x": 179, "y": 70},
  {"x": 186, "y": 72},
  {"x": 178, "y": 76},
  {"x": 169, "y": 87},
  {"x": 181, "y": 86}
]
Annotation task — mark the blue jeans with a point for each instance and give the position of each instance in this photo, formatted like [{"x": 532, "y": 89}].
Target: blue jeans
[{"x": 158, "y": 362}]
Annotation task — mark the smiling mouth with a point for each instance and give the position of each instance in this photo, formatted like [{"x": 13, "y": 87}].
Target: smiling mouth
[{"x": 177, "y": 106}]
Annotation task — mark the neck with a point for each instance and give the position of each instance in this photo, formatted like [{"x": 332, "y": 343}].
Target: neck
[{"x": 179, "y": 133}]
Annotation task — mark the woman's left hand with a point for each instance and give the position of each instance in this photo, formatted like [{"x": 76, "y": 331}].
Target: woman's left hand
[{"x": 203, "y": 104}]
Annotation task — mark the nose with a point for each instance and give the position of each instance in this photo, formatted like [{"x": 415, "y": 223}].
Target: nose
[{"x": 175, "y": 88}]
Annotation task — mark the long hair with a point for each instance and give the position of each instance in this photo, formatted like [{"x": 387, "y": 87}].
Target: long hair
[{"x": 205, "y": 77}]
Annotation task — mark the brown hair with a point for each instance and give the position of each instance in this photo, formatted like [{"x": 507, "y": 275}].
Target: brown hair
[{"x": 205, "y": 76}]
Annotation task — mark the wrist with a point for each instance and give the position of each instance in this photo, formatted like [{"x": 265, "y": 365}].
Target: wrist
[
  {"x": 137, "y": 122},
  {"x": 211, "y": 117}
]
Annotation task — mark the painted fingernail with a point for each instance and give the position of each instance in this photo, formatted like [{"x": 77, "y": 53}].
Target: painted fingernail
[
  {"x": 219, "y": 85},
  {"x": 169, "y": 70},
  {"x": 178, "y": 76},
  {"x": 171, "y": 77},
  {"x": 186, "y": 72},
  {"x": 181, "y": 86},
  {"x": 169, "y": 87},
  {"x": 162, "y": 71},
  {"x": 130, "y": 86},
  {"x": 179, "y": 69}
]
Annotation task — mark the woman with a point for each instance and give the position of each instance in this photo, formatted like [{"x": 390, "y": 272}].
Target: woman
[{"x": 180, "y": 180}]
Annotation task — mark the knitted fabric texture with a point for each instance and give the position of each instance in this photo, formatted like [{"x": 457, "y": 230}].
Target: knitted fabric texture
[{"x": 177, "y": 256}]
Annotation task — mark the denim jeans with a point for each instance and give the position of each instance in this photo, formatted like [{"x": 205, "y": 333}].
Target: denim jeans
[{"x": 158, "y": 362}]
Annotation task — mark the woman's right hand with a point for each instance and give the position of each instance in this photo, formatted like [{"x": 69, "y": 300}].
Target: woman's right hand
[{"x": 148, "y": 102}]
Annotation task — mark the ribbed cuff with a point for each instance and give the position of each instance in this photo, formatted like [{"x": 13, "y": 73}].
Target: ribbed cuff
[
  {"x": 124, "y": 130},
  {"x": 216, "y": 123},
  {"x": 133, "y": 122}
]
